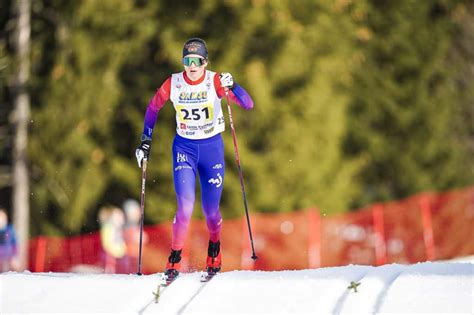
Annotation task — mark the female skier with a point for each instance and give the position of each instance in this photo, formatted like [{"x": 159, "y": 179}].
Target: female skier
[{"x": 197, "y": 147}]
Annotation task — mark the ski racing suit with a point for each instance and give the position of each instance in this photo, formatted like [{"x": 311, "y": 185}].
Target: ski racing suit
[{"x": 197, "y": 146}]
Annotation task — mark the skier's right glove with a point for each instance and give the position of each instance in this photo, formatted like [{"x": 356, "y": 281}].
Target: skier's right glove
[
  {"x": 227, "y": 81},
  {"x": 143, "y": 151}
]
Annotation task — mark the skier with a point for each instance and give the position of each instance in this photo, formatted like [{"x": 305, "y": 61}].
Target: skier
[{"x": 197, "y": 147}]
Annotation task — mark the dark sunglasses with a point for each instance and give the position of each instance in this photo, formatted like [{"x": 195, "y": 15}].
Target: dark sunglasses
[{"x": 198, "y": 61}]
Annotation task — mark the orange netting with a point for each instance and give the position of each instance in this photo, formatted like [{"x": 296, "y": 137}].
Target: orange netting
[{"x": 423, "y": 227}]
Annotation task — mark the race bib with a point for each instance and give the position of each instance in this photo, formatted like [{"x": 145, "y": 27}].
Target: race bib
[
  {"x": 195, "y": 114},
  {"x": 198, "y": 108}
]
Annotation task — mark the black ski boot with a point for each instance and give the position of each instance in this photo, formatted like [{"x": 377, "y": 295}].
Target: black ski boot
[
  {"x": 214, "y": 258},
  {"x": 173, "y": 266}
]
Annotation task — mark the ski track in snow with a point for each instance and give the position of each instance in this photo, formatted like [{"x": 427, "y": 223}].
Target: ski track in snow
[
  {"x": 340, "y": 302},
  {"x": 373, "y": 289},
  {"x": 183, "y": 308},
  {"x": 420, "y": 288}
]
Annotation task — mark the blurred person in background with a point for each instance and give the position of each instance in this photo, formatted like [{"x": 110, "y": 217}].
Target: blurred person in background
[
  {"x": 8, "y": 246},
  {"x": 112, "y": 221},
  {"x": 196, "y": 94},
  {"x": 131, "y": 233}
]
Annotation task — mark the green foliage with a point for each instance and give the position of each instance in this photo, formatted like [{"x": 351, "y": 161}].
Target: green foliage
[
  {"x": 299, "y": 120},
  {"x": 72, "y": 145},
  {"x": 355, "y": 101},
  {"x": 284, "y": 124},
  {"x": 404, "y": 117}
]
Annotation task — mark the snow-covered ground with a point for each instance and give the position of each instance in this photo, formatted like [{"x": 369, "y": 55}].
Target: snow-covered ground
[{"x": 443, "y": 287}]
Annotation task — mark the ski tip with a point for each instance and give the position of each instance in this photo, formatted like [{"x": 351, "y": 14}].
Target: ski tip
[
  {"x": 206, "y": 279},
  {"x": 166, "y": 280},
  {"x": 166, "y": 283},
  {"x": 207, "y": 276}
]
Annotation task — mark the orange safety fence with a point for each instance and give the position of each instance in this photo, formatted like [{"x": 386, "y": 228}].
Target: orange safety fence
[{"x": 428, "y": 226}]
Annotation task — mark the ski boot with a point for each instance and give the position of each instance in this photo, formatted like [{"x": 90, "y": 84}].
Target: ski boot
[
  {"x": 172, "y": 266},
  {"x": 214, "y": 258}
]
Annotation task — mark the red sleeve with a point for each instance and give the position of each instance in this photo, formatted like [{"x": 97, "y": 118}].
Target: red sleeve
[
  {"x": 162, "y": 95},
  {"x": 217, "y": 85}
]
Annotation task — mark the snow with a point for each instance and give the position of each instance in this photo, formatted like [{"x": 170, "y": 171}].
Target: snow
[{"x": 439, "y": 287}]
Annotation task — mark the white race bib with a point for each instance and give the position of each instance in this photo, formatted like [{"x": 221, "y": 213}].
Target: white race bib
[{"x": 198, "y": 108}]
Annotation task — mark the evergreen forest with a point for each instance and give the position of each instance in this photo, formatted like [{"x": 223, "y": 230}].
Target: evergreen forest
[{"x": 356, "y": 102}]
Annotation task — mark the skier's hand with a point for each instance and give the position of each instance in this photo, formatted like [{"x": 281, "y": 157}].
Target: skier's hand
[
  {"x": 226, "y": 80},
  {"x": 143, "y": 151}
]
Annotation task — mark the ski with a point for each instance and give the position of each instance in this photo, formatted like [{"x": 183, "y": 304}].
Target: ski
[
  {"x": 209, "y": 274},
  {"x": 166, "y": 280},
  {"x": 206, "y": 277}
]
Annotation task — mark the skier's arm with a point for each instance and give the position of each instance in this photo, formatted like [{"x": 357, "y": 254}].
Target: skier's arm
[
  {"x": 151, "y": 115},
  {"x": 237, "y": 94},
  {"x": 156, "y": 103}
]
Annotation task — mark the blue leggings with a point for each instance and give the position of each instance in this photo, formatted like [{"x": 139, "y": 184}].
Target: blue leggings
[{"x": 190, "y": 157}]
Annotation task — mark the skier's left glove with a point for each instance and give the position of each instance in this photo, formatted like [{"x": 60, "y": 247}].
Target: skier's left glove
[{"x": 227, "y": 81}]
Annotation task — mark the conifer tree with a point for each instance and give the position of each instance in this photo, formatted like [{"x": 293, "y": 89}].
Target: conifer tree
[
  {"x": 355, "y": 101},
  {"x": 404, "y": 105},
  {"x": 73, "y": 144}
]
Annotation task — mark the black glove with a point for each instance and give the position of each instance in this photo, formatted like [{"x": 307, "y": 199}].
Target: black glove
[{"x": 143, "y": 151}]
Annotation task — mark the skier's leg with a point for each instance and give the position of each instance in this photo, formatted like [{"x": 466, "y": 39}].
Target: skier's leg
[
  {"x": 184, "y": 175},
  {"x": 211, "y": 168}
]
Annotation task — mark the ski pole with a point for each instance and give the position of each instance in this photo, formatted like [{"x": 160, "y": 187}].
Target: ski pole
[
  {"x": 142, "y": 204},
  {"x": 236, "y": 150}
]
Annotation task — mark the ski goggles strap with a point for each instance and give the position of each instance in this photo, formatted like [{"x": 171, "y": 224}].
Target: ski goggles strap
[{"x": 198, "y": 61}]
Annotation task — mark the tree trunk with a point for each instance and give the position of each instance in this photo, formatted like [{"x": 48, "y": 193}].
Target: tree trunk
[{"x": 21, "y": 113}]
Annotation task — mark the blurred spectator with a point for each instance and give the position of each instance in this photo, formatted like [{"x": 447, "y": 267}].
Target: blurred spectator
[
  {"x": 132, "y": 233},
  {"x": 111, "y": 221},
  {"x": 8, "y": 248}
]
